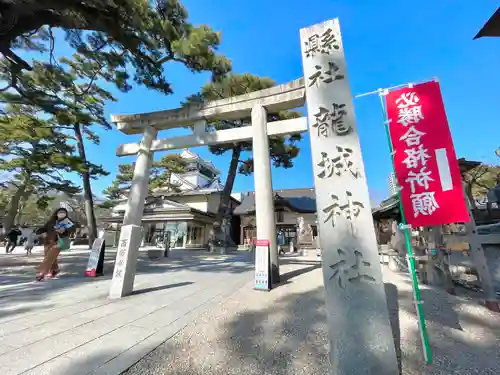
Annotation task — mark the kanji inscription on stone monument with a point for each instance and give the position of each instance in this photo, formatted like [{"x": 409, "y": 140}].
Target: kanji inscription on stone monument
[
  {"x": 340, "y": 163},
  {"x": 122, "y": 249},
  {"x": 331, "y": 122},
  {"x": 130, "y": 236},
  {"x": 349, "y": 209},
  {"x": 322, "y": 44},
  {"x": 325, "y": 74},
  {"x": 347, "y": 270},
  {"x": 350, "y": 261}
]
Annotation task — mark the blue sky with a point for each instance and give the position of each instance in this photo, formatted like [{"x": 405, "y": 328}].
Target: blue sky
[{"x": 386, "y": 43}]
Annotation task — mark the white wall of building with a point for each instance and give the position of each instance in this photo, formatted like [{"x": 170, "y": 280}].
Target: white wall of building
[
  {"x": 119, "y": 208},
  {"x": 198, "y": 202},
  {"x": 196, "y": 178}
]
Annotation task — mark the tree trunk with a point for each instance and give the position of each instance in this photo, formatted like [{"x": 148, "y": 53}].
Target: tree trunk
[
  {"x": 87, "y": 190},
  {"x": 20, "y": 209},
  {"x": 224, "y": 203},
  {"x": 13, "y": 208}
]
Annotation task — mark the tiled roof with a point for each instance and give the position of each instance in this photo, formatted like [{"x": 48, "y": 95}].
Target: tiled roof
[
  {"x": 300, "y": 200},
  {"x": 247, "y": 204},
  {"x": 387, "y": 204}
]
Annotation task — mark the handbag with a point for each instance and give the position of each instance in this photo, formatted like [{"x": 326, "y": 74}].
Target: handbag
[{"x": 63, "y": 243}]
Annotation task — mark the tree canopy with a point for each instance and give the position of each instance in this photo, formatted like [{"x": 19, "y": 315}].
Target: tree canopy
[
  {"x": 479, "y": 180},
  {"x": 283, "y": 149},
  {"x": 125, "y": 43},
  {"x": 34, "y": 154},
  {"x": 119, "y": 35}
]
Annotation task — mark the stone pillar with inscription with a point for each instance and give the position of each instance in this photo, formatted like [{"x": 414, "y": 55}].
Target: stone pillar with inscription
[
  {"x": 361, "y": 339},
  {"x": 264, "y": 201},
  {"x": 131, "y": 236},
  {"x": 126, "y": 260}
]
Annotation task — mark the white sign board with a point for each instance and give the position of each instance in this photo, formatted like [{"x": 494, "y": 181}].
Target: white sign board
[
  {"x": 94, "y": 267},
  {"x": 262, "y": 274}
]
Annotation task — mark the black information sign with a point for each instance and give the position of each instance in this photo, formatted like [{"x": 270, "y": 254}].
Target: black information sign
[{"x": 95, "y": 264}]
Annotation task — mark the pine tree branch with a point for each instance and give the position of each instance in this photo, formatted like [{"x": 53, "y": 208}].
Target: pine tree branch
[{"x": 52, "y": 41}]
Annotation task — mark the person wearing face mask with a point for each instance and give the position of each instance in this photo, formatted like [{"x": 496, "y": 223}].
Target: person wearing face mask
[{"x": 57, "y": 233}]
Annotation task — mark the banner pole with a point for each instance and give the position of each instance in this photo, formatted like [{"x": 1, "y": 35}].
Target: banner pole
[{"x": 411, "y": 256}]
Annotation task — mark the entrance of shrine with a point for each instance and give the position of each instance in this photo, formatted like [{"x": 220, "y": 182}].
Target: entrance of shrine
[{"x": 350, "y": 261}]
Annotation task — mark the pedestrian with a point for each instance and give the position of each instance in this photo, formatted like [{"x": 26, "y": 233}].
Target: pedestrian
[
  {"x": 280, "y": 242},
  {"x": 12, "y": 238},
  {"x": 57, "y": 233},
  {"x": 30, "y": 242}
]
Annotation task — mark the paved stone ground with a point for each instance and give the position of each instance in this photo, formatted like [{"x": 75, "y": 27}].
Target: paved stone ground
[
  {"x": 283, "y": 332},
  {"x": 200, "y": 313},
  {"x": 67, "y": 326}
]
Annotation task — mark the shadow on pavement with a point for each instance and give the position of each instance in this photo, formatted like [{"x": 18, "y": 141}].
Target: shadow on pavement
[
  {"x": 20, "y": 294},
  {"x": 463, "y": 335},
  {"x": 391, "y": 293},
  {"x": 310, "y": 266},
  {"x": 161, "y": 287},
  {"x": 289, "y": 337},
  {"x": 287, "y": 333}
]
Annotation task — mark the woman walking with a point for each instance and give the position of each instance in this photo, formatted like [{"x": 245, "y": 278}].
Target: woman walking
[{"x": 56, "y": 231}]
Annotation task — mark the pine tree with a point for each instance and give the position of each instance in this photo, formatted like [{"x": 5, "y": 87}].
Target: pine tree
[
  {"x": 69, "y": 93},
  {"x": 282, "y": 149},
  {"x": 160, "y": 178},
  {"x": 5, "y": 195},
  {"x": 145, "y": 36},
  {"x": 34, "y": 154},
  {"x": 479, "y": 180},
  {"x": 138, "y": 35}
]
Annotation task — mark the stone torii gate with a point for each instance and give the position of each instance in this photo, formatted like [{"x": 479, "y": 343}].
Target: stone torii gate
[
  {"x": 361, "y": 340},
  {"x": 254, "y": 105}
]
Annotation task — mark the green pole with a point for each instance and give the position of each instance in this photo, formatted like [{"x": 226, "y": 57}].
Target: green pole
[{"x": 411, "y": 256}]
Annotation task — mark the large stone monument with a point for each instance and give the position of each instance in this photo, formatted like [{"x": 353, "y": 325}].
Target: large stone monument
[{"x": 360, "y": 332}]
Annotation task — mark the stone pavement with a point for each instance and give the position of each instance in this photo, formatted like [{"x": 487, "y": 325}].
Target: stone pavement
[
  {"x": 284, "y": 332},
  {"x": 196, "y": 313},
  {"x": 68, "y": 326}
]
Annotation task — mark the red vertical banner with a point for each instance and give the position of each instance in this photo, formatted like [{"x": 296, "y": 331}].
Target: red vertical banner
[{"x": 425, "y": 162}]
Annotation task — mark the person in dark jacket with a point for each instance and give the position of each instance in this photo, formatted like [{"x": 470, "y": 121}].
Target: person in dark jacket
[
  {"x": 280, "y": 242},
  {"x": 57, "y": 233},
  {"x": 12, "y": 238}
]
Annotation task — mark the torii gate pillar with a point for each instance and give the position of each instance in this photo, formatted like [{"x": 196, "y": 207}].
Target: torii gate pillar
[
  {"x": 264, "y": 201},
  {"x": 130, "y": 235}
]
